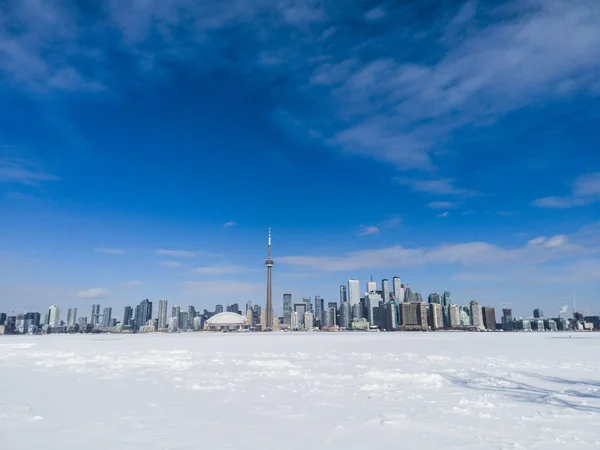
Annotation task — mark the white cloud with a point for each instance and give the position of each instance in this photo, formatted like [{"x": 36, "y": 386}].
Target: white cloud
[
  {"x": 440, "y": 186},
  {"x": 538, "y": 240},
  {"x": 171, "y": 263},
  {"x": 92, "y": 293},
  {"x": 368, "y": 230},
  {"x": 585, "y": 190},
  {"x": 110, "y": 251},
  {"x": 444, "y": 214},
  {"x": 375, "y": 14},
  {"x": 221, "y": 270},
  {"x": 229, "y": 224},
  {"x": 130, "y": 284},
  {"x": 556, "y": 241},
  {"x": 14, "y": 170},
  {"x": 175, "y": 253},
  {"x": 441, "y": 205}
]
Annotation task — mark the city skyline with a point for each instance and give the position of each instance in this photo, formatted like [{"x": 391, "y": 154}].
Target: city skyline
[{"x": 453, "y": 143}]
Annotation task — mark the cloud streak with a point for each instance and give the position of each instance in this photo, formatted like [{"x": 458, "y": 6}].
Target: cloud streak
[
  {"x": 92, "y": 293},
  {"x": 585, "y": 190},
  {"x": 110, "y": 251},
  {"x": 175, "y": 253}
]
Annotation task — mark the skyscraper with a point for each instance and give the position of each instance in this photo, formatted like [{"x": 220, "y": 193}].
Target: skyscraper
[
  {"x": 372, "y": 301},
  {"x": 345, "y": 315},
  {"x": 454, "y": 315},
  {"x": 353, "y": 292},
  {"x": 489, "y": 317},
  {"x": 162, "y": 314},
  {"x": 371, "y": 286},
  {"x": 106, "y": 316},
  {"x": 434, "y": 298},
  {"x": 385, "y": 290},
  {"x": 319, "y": 308},
  {"x": 143, "y": 313},
  {"x": 538, "y": 313},
  {"x": 287, "y": 308},
  {"x": 175, "y": 310},
  {"x": 54, "y": 316},
  {"x": 435, "y": 316},
  {"x": 507, "y": 319},
  {"x": 300, "y": 308},
  {"x": 476, "y": 314},
  {"x": 396, "y": 285},
  {"x": 127, "y": 316},
  {"x": 269, "y": 263},
  {"x": 391, "y": 316},
  {"x": 218, "y": 309},
  {"x": 71, "y": 317},
  {"x": 95, "y": 316},
  {"x": 308, "y": 303},
  {"x": 343, "y": 296}
]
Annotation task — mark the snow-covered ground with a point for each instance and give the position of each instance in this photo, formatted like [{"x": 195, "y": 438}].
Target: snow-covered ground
[{"x": 301, "y": 391}]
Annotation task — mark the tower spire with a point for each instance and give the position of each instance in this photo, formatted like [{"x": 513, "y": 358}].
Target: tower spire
[{"x": 269, "y": 263}]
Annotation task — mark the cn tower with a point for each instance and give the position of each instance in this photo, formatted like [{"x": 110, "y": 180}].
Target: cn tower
[{"x": 269, "y": 263}]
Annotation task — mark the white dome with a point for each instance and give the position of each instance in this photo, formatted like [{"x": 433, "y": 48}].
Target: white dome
[{"x": 226, "y": 318}]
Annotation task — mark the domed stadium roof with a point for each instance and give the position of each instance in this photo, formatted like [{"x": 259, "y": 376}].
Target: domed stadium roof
[{"x": 226, "y": 318}]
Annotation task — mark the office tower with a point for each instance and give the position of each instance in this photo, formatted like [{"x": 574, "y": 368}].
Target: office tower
[
  {"x": 464, "y": 315},
  {"x": 127, "y": 316},
  {"x": 357, "y": 312},
  {"x": 192, "y": 313},
  {"x": 454, "y": 315},
  {"x": 489, "y": 317},
  {"x": 300, "y": 308},
  {"x": 476, "y": 314},
  {"x": 82, "y": 323},
  {"x": 446, "y": 300},
  {"x": 343, "y": 296},
  {"x": 71, "y": 317},
  {"x": 385, "y": 290},
  {"x": 396, "y": 286},
  {"x": 334, "y": 305},
  {"x": 2, "y": 318},
  {"x": 162, "y": 313},
  {"x": 345, "y": 315},
  {"x": 507, "y": 319},
  {"x": 309, "y": 320},
  {"x": 538, "y": 313},
  {"x": 54, "y": 316},
  {"x": 408, "y": 294},
  {"x": 106, "y": 317},
  {"x": 10, "y": 325},
  {"x": 391, "y": 315},
  {"x": 353, "y": 292},
  {"x": 196, "y": 323},
  {"x": 308, "y": 303},
  {"x": 249, "y": 317},
  {"x": 409, "y": 314},
  {"x": 294, "y": 321},
  {"x": 332, "y": 316},
  {"x": 372, "y": 301},
  {"x": 417, "y": 297},
  {"x": 287, "y": 308},
  {"x": 173, "y": 325},
  {"x": 218, "y": 309},
  {"x": 371, "y": 286},
  {"x": 434, "y": 298},
  {"x": 269, "y": 263},
  {"x": 319, "y": 307},
  {"x": 436, "y": 320},
  {"x": 422, "y": 318},
  {"x": 95, "y": 316}
]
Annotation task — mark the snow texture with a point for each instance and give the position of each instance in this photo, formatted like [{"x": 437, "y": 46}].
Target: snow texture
[{"x": 301, "y": 390}]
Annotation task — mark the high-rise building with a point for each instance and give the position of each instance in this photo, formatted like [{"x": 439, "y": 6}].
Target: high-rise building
[
  {"x": 434, "y": 298},
  {"x": 391, "y": 315},
  {"x": 422, "y": 318},
  {"x": 162, "y": 313},
  {"x": 489, "y": 317},
  {"x": 127, "y": 316},
  {"x": 538, "y": 313},
  {"x": 372, "y": 301},
  {"x": 446, "y": 300},
  {"x": 106, "y": 317},
  {"x": 218, "y": 309},
  {"x": 183, "y": 320},
  {"x": 435, "y": 316},
  {"x": 357, "y": 312},
  {"x": 396, "y": 286},
  {"x": 192, "y": 313},
  {"x": 309, "y": 320},
  {"x": 287, "y": 308},
  {"x": 371, "y": 286},
  {"x": 143, "y": 313},
  {"x": 343, "y": 296},
  {"x": 319, "y": 308},
  {"x": 345, "y": 315},
  {"x": 294, "y": 321},
  {"x": 2, "y": 318},
  {"x": 71, "y": 317},
  {"x": 507, "y": 319},
  {"x": 300, "y": 308},
  {"x": 256, "y": 314},
  {"x": 308, "y": 303},
  {"x": 353, "y": 292},
  {"x": 82, "y": 323},
  {"x": 173, "y": 325},
  {"x": 464, "y": 315},
  {"x": 454, "y": 315},
  {"x": 409, "y": 315},
  {"x": 269, "y": 263},
  {"x": 54, "y": 316},
  {"x": 385, "y": 290},
  {"x": 476, "y": 314},
  {"x": 95, "y": 316}
]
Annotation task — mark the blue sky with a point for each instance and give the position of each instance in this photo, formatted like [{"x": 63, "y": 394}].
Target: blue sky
[{"x": 146, "y": 146}]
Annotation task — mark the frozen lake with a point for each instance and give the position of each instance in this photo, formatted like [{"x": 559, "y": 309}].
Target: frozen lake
[{"x": 299, "y": 391}]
